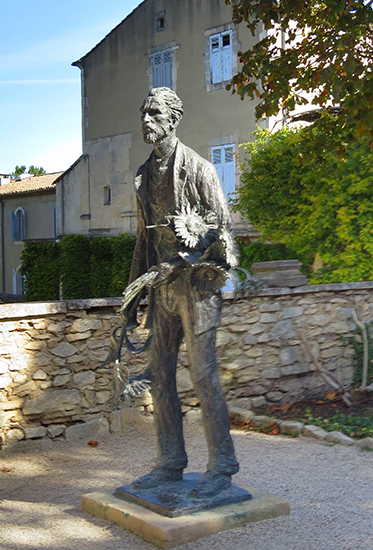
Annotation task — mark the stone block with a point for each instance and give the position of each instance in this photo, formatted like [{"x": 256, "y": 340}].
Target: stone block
[
  {"x": 103, "y": 396},
  {"x": 314, "y": 431},
  {"x": 274, "y": 396},
  {"x": 14, "y": 435},
  {"x": 40, "y": 375},
  {"x": 11, "y": 405},
  {"x": 78, "y": 336},
  {"x": 283, "y": 329},
  {"x": 263, "y": 421},
  {"x": 289, "y": 355},
  {"x": 240, "y": 402},
  {"x": 64, "y": 349},
  {"x": 258, "y": 401},
  {"x": 84, "y": 325},
  {"x": 271, "y": 373},
  {"x": 340, "y": 438},
  {"x": 249, "y": 377},
  {"x": 35, "y": 345},
  {"x": 183, "y": 381},
  {"x": 26, "y": 389},
  {"x": 166, "y": 533},
  {"x": 92, "y": 429},
  {"x": 61, "y": 379},
  {"x": 249, "y": 340},
  {"x": 365, "y": 444},
  {"x": 84, "y": 378},
  {"x": 4, "y": 367},
  {"x": 268, "y": 318},
  {"x": 297, "y": 368},
  {"x": 35, "y": 433},
  {"x": 5, "y": 381},
  {"x": 269, "y": 307},
  {"x": 223, "y": 338},
  {"x": 289, "y": 312},
  {"x": 240, "y": 415},
  {"x": 55, "y": 430},
  {"x": 52, "y": 401},
  {"x": 19, "y": 378},
  {"x": 290, "y": 427}
]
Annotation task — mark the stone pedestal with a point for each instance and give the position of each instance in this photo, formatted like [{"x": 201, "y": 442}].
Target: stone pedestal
[
  {"x": 280, "y": 273},
  {"x": 167, "y": 532}
]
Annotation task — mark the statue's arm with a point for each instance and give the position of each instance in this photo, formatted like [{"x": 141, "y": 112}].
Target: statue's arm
[{"x": 138, "y": 266}]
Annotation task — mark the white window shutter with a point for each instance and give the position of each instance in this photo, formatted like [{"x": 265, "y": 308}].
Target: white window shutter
[
  {"x": 226, "y": 56},
  {"x": 217, "y": 161},
  {"x": 167, "y": 69},
  {"x": 224, "y": 161},
  {"x": 162, "y": 69},
  {"x": 215, "y": 58},
  {"x": 13, "y": 226},
  {"x": 157, "y": 70},
  {"x": 229, "y": 171},
  {"x": 14, "y": 281}
]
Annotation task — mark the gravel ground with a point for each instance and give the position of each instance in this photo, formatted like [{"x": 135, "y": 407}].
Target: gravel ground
[{"x": 330, "y": 489}]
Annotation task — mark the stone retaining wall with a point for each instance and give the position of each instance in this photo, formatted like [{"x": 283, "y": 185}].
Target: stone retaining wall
[{"x": 50, "y": 355}]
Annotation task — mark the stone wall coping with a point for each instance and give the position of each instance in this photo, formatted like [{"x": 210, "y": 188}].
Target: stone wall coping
[{"x": 38, "y": 309}]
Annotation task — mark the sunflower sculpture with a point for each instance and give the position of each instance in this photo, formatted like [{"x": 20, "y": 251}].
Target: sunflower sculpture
[{"x": 195, "y": 230}]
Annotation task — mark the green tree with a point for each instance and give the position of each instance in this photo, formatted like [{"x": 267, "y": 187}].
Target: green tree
[
  {"x": 34, "y": 170},
  {"x": 317, "y": 202},
  {"x": 18, "y": 171},
  {"x": 321, "y": 47}
]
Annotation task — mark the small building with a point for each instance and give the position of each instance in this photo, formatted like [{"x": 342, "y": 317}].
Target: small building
[
  {"x": 27, "y": 212},
  {"x": 190, "y": 46}
]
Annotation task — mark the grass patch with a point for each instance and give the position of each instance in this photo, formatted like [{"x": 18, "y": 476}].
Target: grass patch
[{"x": 357, "y": 427}]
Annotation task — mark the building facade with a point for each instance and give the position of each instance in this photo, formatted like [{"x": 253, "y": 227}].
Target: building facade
[
  {"x": 188, "y": 45},
  {"x": 27, "y": 212}
]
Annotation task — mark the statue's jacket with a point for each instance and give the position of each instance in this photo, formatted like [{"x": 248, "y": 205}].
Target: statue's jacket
[{"x": 196, "y": 186}]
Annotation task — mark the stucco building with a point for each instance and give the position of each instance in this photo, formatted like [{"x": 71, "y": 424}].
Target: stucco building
[
  {"x": 188, "y": 45},
  {"x": 27, "y": 212}
]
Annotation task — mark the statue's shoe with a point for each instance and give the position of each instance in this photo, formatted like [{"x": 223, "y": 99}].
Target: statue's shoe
[
  {"x": 156, "y": 478},
  {"x": 211, "y": 485}
]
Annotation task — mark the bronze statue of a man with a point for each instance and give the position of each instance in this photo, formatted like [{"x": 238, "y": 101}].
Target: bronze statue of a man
[{"x": 185, "y": 229}]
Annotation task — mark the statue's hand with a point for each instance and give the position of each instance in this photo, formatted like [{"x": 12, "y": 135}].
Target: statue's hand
[{"x": 164, "y": 272}]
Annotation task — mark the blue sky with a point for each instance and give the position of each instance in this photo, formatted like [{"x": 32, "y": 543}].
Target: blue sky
[{"x": 39, "y": 89}]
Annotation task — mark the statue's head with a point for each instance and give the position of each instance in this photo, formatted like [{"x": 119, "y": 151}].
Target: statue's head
[{"x": 161, "y": 112}]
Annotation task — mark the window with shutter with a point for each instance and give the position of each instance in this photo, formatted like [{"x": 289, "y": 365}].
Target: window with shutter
[
  {"x": 221, "y": 57},
  {"x": 17, "y": 223},
  {"x": 224, "y": 161},
  {"x": 162, "y": 69}
]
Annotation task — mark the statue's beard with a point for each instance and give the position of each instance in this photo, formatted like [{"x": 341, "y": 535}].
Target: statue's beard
[{"x": 155, "y": 134}]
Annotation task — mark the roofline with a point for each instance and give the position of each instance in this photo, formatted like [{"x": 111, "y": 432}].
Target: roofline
[
  {"x": 79, "y": 62},
  {"x": 69, "y": 169},
  {"x": 29, "y": 192}
]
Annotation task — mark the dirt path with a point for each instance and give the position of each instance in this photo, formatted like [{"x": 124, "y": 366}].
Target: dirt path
[{"x": 330, "y": 489}]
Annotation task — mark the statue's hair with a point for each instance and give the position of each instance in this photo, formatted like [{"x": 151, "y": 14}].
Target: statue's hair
[{"x": 170, "y": 98}]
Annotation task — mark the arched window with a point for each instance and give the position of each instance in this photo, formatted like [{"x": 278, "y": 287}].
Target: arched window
[
  {"x": 18, "y": 281},
  {"x": 18, "y": 224}
]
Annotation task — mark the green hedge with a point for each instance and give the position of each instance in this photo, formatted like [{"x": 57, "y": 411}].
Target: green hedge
[
  {"x": 41, "y": 269},
  {"x": 87, "y": 267}
]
